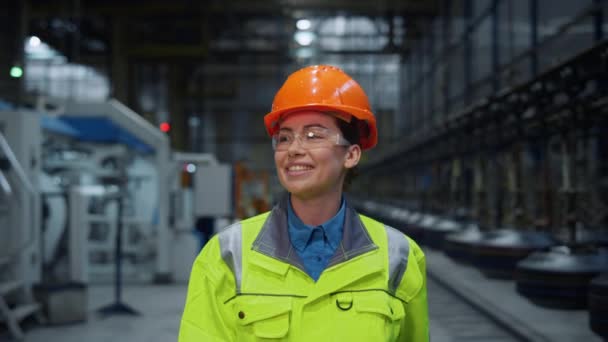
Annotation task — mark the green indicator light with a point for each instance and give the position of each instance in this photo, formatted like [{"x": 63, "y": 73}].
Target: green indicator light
[{"x": 16, "y": 72}]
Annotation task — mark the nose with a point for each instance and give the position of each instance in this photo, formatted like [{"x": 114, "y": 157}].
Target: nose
[{"x": 295, "y": 148}]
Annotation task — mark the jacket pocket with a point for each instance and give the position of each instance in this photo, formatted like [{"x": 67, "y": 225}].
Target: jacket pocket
[
  {"x": 379, "y": 303},
  {"x": 372, "y": 315},
  {"x": 263, "y": 318}
]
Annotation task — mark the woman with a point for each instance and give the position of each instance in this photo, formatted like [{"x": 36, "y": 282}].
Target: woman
[{"x": 312, "y": 269}]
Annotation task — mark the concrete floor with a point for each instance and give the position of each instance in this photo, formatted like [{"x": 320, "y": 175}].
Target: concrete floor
[
  {"x": 161, "y": 308},
  {"x": 510, "y": 309}
]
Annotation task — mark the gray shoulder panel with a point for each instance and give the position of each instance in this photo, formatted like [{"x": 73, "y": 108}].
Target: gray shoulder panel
[
  {"x": 398, "y": 251},
  {"x": 231, "y": 250}
]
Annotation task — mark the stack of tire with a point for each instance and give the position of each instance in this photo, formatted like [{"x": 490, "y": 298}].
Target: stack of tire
[
  {"x": 497, "y": 253},
  {"x": 459, "y": 246},
  {"x": 434, "y": 236},
  {"x": 561, "y": 277}
]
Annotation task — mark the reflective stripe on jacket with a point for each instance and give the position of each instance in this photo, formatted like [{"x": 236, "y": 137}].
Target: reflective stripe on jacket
[{"x": 248, "y": 284}]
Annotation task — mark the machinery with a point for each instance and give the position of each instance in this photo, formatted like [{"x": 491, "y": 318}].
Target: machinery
[
  {"x": 162, "y": 193},
  {"x": 144, "y": 166},
  {"x": 201, "y": 196},
  {"x": 102, "y": 154},
  {"x": 20, "y": 260},
  {"x": 69, "y": 180}
]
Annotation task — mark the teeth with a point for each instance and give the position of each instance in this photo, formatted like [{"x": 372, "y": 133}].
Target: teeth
[{"x": 299, "y": 168}]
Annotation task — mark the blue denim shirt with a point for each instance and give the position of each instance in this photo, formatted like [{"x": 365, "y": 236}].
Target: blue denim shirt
[{"x": 315, "y": 245}]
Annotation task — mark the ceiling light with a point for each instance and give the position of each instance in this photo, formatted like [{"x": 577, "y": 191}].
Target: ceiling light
[
  {"x": 191, "y": 168},
  {"x": 304, "y": 38},
  {"x": 34, "y": 41},
  {"x": 303, "y": 24}
]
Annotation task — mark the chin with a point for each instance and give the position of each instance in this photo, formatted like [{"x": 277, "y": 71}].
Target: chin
[
  {"x": 300, "y": 192},
  {"x": 307, "y": 192}
]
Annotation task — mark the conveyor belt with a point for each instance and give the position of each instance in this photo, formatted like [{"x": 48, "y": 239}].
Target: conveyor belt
[{"x": 460, "y": 321}]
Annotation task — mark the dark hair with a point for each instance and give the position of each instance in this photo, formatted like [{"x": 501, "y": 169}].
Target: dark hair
[{"x": 351, "y": 132}]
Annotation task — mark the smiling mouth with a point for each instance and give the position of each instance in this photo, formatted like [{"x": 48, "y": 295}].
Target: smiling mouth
[{"x": 297, "y": 168}]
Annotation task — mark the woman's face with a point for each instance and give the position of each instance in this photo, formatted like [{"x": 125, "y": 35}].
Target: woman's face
[{"x": 315, "y": 172}]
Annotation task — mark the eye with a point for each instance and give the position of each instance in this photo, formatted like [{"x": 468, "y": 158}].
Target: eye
[
  {"x": 311, "y": 135},
  {"x": 283, "y": 138},
  {"x": 315, "y": 135}
]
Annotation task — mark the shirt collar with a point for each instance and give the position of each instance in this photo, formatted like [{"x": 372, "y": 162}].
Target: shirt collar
[
  {"x": 273, "y": 239},
  {"x": 299, "y": 232}
]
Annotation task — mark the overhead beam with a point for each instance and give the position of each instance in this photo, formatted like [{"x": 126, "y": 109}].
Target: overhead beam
[{"x": 136, "y": 8}]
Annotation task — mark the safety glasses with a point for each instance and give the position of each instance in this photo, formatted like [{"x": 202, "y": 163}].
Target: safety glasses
[{"x": 309, "y": 138}]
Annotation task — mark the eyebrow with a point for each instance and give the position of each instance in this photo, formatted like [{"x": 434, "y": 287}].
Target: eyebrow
[{"x": 305, "y": 127}]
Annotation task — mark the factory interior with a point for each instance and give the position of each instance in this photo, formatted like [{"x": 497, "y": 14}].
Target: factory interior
[{"x": 131, "y": 132}]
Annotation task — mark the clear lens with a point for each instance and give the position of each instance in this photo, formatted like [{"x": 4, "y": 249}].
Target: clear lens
[{"x": 310, "y": 138}]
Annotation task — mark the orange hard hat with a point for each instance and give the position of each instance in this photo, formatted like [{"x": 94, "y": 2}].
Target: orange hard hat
[{"x": 328, "y": 89}]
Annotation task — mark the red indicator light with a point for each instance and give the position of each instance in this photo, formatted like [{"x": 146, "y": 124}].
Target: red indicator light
[{"x": 165, "y": 127}]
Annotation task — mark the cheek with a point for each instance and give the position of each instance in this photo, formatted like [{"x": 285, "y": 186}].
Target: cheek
[
  {"x": 333, "y": 162},
  {"x": 277, "y": 159}
]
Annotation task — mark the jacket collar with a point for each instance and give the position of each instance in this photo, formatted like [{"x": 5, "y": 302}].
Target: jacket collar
[{"x": 273, "y": 238}]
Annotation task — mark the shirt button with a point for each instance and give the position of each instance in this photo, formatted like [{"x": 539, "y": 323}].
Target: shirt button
[{"x": 241, "y": 314}]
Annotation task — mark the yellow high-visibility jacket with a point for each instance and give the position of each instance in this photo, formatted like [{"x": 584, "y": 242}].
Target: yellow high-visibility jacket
[{"x": 248, "y": 284}]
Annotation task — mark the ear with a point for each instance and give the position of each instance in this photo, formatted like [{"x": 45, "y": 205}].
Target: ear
[{"x": 352, "y": 156}]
